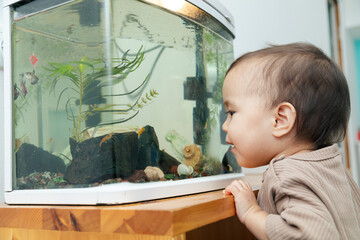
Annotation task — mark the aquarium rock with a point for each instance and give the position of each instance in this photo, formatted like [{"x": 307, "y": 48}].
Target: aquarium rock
[
  {"x": 95, "y": 162},
  {"x": 138, "y": 176},
  {"x": 149, "y": 153},
  {"x": 30, "y": 158},
  {"x": 154, "y": 173},
  {"x": 116, "y": 155},
  {"x": 184, "y": 170},
  {"x": 167, "y": 162}
]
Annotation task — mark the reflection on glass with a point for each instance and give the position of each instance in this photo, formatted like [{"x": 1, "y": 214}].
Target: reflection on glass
[{"x": 133, "y": 96}]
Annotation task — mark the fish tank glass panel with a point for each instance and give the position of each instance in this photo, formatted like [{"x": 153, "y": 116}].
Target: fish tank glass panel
[{"x": 114, "y": 92}]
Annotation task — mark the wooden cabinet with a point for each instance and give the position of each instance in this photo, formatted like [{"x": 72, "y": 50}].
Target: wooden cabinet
[{"x": 201, "y": 216}]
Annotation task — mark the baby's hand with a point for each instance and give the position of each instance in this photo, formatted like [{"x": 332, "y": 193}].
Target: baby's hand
[{"x": 245, "y": 201}]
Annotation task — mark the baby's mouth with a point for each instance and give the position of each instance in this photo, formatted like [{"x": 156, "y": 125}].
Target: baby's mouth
[{"x": 231, "y": 148}]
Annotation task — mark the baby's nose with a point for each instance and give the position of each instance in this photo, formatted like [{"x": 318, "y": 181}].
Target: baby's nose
[{"x": 225, "y": 126}]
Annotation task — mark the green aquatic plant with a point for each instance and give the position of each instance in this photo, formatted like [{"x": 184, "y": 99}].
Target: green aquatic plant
[{"x": 87, "y": 77}]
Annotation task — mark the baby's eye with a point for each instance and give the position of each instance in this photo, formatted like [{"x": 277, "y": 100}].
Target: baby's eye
[{"x": 230, "y": 113}]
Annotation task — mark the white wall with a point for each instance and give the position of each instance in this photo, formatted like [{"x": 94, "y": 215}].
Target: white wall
[
  {"x": 349, "y": 31},
  {"x": 262, "y": 22}
]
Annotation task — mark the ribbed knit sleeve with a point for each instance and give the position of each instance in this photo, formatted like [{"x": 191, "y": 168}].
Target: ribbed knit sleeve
[
  {"x": 311, "y": 227},
  {"x": 310, "y": 196}
]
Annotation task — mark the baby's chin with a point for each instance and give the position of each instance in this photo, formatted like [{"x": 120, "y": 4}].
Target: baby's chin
[{"x": 247, "y": 163}]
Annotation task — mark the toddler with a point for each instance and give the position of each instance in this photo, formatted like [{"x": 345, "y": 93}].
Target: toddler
[{"x": 287, "y": 107}]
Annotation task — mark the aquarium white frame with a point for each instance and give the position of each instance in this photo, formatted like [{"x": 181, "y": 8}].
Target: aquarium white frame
[
  {"x": 120, "y": 193},
  {"x": 8, "y": 172},
  {"x": 116, "y": 193}
]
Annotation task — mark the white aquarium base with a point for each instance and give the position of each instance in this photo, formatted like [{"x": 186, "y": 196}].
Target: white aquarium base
[{"x": 119, "y": 193}]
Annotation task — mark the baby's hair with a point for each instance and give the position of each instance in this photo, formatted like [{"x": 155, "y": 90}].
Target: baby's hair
[{"x": 301, "y": 74}]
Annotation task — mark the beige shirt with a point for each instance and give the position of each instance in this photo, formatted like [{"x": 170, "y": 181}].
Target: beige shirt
[{"x": 310, "y": 196}]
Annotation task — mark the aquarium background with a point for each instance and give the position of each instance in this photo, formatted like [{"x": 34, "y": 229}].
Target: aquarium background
[{"x": 153, "y": 91}]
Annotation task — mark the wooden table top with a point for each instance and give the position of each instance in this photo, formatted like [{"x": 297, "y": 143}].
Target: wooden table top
[{"x": 167, "y": 217}]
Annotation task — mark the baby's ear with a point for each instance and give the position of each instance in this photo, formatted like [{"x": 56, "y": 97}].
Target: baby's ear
[{"x": 284, "y": 119}]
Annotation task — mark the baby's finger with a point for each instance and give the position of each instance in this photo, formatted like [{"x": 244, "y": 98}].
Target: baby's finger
[
  {"x": 233, "y": 188},
  {"x": 248, "y": 186},
  {"x": 228, "y": 190},
  {"x": 242, "y": 184},
  {"x": 245, "y": 185}
]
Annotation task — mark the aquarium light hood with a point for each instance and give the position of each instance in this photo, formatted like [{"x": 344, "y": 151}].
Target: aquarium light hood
[
  {"x": 212, "y": 7},
  {"x": 9, "y": 2}
]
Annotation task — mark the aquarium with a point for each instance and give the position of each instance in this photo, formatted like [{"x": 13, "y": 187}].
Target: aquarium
[{"x": 115, "y": 101}]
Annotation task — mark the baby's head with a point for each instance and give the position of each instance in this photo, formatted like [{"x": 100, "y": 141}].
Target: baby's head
[{"x": 302, "y": 75}]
